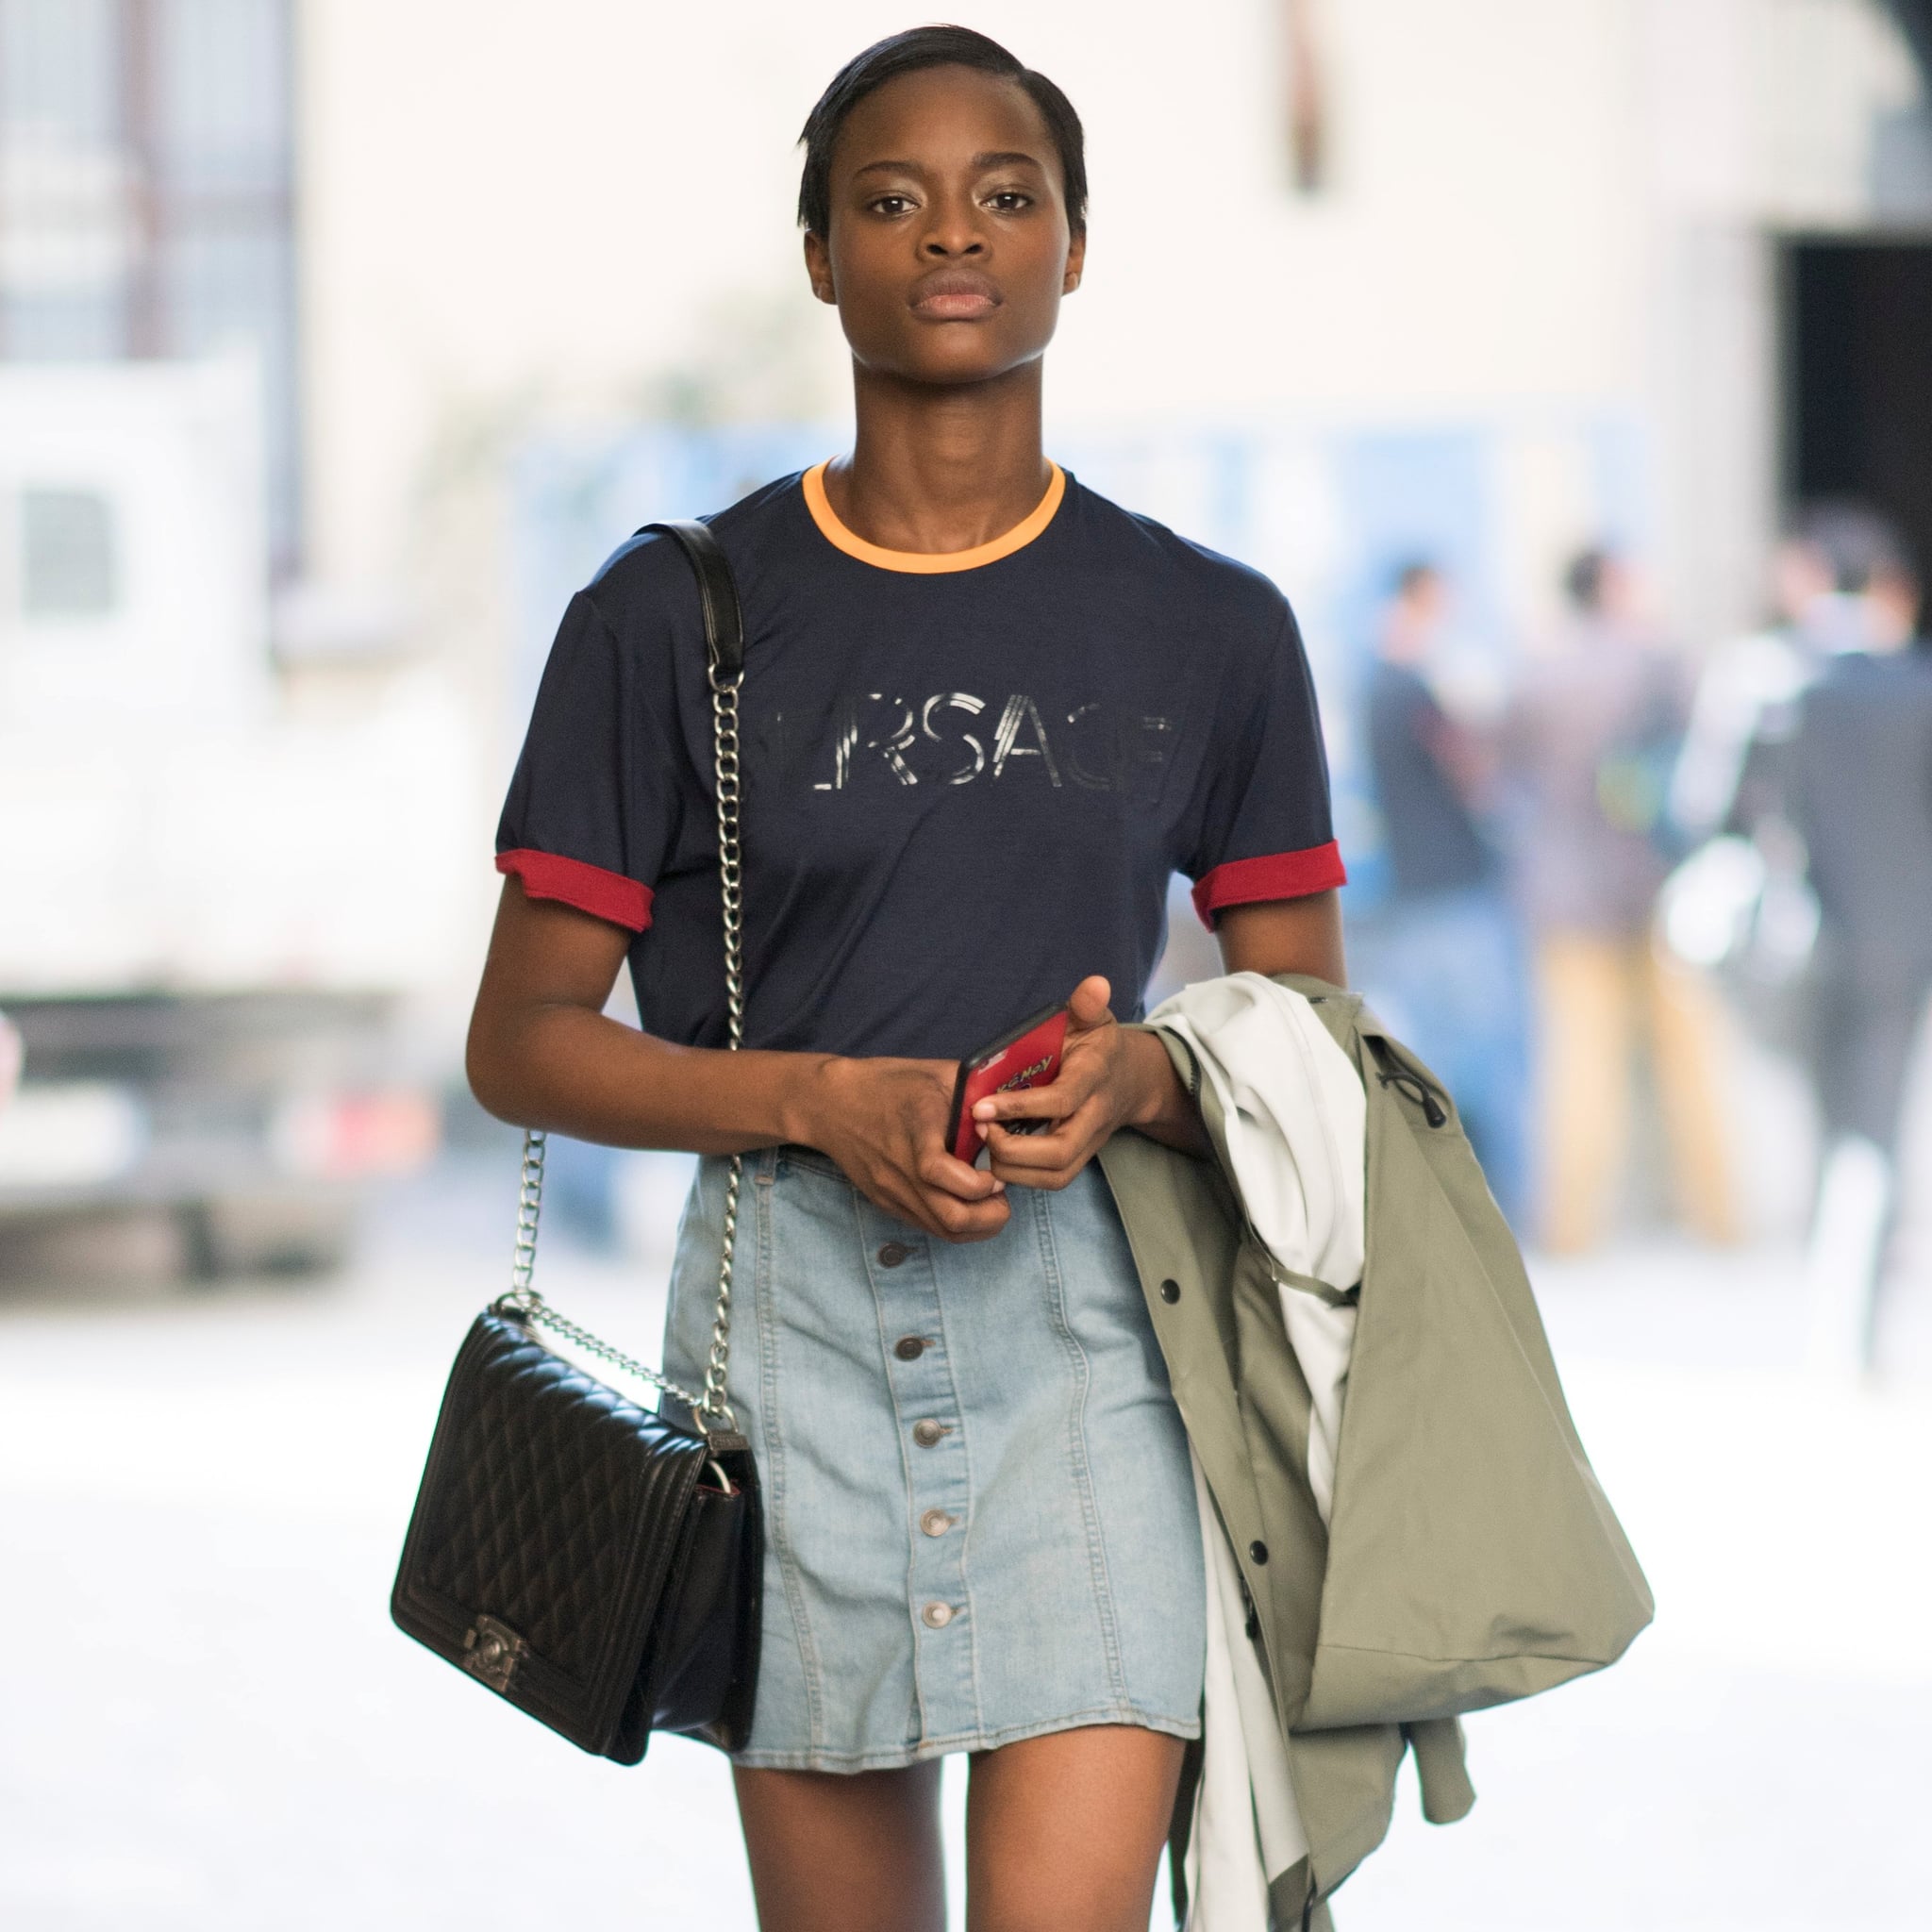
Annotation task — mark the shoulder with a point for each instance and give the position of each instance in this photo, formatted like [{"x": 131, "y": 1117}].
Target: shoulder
[
  {"x": 1910, "y": 670},
  {"x": 648, "y": 579},
  {"x": 1900, "y": 680},
  {"x": 1239, "y": 599}
]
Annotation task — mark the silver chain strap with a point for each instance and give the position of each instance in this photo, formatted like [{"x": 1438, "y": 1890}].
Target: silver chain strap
[
  {"x": 529, "y": 1210},
  {"x": 731, "y": 890},
  {"x": 527, "y": 1305},
  {"x": 522, "y": 1299}
]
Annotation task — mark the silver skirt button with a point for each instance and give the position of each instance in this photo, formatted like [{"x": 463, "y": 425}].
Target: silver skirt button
[
  {"x": 934, "y": 1523},
  {"x": 936, "y": 1616}
]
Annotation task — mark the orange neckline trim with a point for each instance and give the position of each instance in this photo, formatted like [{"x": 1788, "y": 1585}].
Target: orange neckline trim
[{"x": 929, "y": 562}]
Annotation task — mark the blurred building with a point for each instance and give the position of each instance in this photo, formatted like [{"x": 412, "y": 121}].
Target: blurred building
[
  {"x": 1659, "y": 252},
  {"x": 225, "y": 889},
  {"x": 1481, "y": 281},
  {"x": 1369, "y": 279}
]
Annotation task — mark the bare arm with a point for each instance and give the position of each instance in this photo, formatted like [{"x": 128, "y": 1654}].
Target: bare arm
[
  {"x": 542, "y": 1054},
  {"x": 1286, "y": 936}
]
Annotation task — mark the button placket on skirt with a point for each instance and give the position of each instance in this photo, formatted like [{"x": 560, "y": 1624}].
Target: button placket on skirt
[{"x": 939, "y": 1473}]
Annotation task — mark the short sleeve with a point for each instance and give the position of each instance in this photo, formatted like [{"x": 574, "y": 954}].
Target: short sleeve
[
  {"x": 1264, "y": 829},
  {"x": 592, "y": 804}
]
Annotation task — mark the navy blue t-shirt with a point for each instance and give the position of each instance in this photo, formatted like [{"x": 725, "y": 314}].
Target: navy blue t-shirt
[{"x": 968, "y": 777}]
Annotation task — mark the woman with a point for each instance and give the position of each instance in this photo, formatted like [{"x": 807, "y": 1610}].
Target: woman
[{"x": 988, "y": 715}]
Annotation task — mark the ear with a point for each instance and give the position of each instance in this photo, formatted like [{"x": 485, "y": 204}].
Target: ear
[
  {"x": 1076, "y": 261},
  {"x": 818, "y": 269}
]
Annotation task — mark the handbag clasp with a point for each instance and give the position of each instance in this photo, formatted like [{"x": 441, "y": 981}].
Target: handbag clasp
[{"x": 491, "y": 1650}]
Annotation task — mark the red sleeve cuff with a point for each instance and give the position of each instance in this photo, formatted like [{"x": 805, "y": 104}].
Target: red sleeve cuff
[
  {"x": 1279, "y": 875},
  {"x": 588, "y": 888}
]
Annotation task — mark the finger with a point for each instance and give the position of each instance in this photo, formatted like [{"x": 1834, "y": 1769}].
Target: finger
[
  {"x": 943, "y": 1216},
  {"x": 1025, "y": 1163},
  {"x": 964, "y": 1220},
  {"x": 1046, "y": 1179},
  {"x": 1024, "y": 1157},
  {"x": 894, "y": 1193},
  {"x": 1051, "y": 1101},
  {"x": 1089, "y": 1006},
  {"x": 1087, "y": 1114},
  {"x": 900, "y": 1193},
  {"x": 949, "y": 1174}
]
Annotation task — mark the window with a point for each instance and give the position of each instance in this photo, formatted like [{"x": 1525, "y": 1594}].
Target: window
[
  {"x": 148, "y": 193},
  {"x": 67, "y": 562}
]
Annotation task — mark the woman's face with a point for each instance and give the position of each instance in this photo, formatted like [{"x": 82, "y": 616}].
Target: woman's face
[{"x": 950, "y": 247}]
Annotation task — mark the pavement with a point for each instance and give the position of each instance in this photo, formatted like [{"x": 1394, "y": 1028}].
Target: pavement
[{"x": 207, "y": 1720}]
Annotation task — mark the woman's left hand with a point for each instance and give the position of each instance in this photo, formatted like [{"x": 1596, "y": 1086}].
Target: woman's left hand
[{"x": 1110, "y": 1078}]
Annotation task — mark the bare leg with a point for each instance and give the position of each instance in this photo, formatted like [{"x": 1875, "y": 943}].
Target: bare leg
[
  {"x": 836, "y": 1853},
  {"x": 1063, "y": 1833}
]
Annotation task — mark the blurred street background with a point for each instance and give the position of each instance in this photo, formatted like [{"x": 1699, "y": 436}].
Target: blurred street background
[{"x": 1568, "y": 362}]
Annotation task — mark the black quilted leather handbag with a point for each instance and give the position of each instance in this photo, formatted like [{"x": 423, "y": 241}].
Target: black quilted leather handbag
[{"x": 594, "y": 1563}]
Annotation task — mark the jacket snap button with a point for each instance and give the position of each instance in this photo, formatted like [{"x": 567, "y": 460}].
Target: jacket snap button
[
  {"x": 892, "y": 1253},
  {"x": 928, "y": 1432},
  {"x": 1169, "y": 1291},
  {"x": 909, "y": 1348},
  {"x": 1258, "y": 1552},
  {"x": 934, "y": 1523},
  {"x": 936, "y": 1616}
]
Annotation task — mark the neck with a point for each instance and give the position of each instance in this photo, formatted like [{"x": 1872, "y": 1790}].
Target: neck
[{"x": 936, "y": 469}]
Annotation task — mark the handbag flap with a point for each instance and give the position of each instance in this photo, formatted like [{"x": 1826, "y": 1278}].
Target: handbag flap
[{"x": 546, "y": 1526}]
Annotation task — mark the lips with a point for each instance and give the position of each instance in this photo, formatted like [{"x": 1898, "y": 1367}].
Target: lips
[{"x": 955, "y": 294}]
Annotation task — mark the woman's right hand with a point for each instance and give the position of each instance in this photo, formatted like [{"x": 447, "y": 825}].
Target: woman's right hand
[
  {"x": 884, "y": 1122},
  {"x": 543, "y": 1054}
]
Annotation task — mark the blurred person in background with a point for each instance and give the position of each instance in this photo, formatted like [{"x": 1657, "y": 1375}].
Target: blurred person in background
[
  {"x": 1748, "y": 687},
  {"x": 1588, "y": 746},
  {"x": 1854, "y": 772},
  {"x": 1446, "y": 964},
  {"x": 1091, "y": 703},
  {"x": 1739, "y": 909}
]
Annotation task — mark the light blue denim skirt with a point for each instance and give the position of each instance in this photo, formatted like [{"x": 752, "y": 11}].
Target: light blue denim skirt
[{"x": 981, "y": 1519}]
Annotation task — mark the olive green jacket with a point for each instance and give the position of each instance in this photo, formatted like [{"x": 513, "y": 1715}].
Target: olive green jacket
[{"x": 1471, "y": 1557}]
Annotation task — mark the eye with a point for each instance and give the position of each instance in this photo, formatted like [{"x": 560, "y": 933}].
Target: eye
[
  {"x": 1009, "y": 201},
  {"x": 889, "y": 205}
]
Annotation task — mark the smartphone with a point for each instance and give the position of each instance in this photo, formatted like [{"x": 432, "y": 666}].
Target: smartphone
[{"x": 1029, "y": 1056}]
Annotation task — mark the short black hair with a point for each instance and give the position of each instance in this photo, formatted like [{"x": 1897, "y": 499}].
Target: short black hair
[
  {"x": 1411, "y": 574},
  {"x": 1859, "y": 544},
  {"x": 909, "y": 53},
  {"x": 1583, "y": 578}
]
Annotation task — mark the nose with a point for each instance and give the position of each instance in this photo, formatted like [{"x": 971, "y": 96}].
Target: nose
[{"x": 955, "y": 231}]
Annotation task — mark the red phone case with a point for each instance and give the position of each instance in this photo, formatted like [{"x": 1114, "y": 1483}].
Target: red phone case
[{"x": 1029, "y": 1056}]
